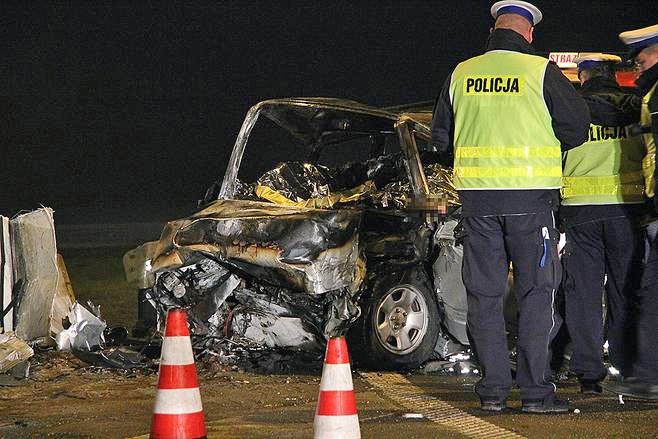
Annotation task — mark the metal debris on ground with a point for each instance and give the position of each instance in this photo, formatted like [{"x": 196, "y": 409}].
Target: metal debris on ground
[
  {"x": 459, "y": 363},
  {"x": 85, "y": 330},
  {"x": 89, "y": 339},
  {"x": 115, "y": 358},
  {"x": 248, "y": 356},
  {"x": 251, "y": 354},
  {"x": 13, "y": 351},
  {"x": 413, "y": 416}
]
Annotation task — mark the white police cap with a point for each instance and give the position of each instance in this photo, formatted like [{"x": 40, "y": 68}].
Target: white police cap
[
  {"x": 586, "y": 60},
  {"x": 638, "y": 39},
  {"x": 529, "y": 11}
]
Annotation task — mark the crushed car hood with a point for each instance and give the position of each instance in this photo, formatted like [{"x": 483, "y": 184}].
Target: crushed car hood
[{"x": 309, "y": 250}]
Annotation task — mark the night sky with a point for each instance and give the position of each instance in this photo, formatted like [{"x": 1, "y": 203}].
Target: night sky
[{"x": 126, "y": 111}]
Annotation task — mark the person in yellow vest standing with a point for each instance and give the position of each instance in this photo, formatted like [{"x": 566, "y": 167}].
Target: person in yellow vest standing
[
  {"x": 602, "y": 200},
  {"x": 642, "y": 382},
  {"x": 502, "y": 119}
]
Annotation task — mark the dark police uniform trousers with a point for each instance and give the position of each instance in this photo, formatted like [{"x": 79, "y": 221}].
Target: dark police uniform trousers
[
  {"x": 645, "y": 366},
  {"x": 612, "y": 246},
  {"x": 529, "y": 241}
]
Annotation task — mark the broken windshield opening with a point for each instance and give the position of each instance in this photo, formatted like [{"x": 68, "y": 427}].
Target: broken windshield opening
[
  {"x": 269, "y": 145},
  {"x": 320, "y": 160}
]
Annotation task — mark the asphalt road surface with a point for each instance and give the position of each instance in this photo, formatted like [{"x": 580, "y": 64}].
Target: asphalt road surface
[{"x": 64, "y": 398}]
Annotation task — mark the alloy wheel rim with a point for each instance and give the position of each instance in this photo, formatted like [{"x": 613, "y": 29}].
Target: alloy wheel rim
[{"x": 401, "y": 319}]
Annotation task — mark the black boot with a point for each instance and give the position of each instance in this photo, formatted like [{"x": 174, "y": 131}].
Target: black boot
[
  {"x": 493, "y": 405},
  {"x": 590, "y": 387},
  {"x": 550, "y": 404},
  {"x": 633, "y": 387}
]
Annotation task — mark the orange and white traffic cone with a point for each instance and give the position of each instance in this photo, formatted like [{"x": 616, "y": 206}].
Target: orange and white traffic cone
[
  {"x": 336, "y": 416},
  {"x": 178, "y": 413}
]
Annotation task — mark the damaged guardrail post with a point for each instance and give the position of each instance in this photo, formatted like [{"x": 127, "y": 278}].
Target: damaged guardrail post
[
  {"x": 6, "y": 277},
  {"x": 36, "y": 290}
]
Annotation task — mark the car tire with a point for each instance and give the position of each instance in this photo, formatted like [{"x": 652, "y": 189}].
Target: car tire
[{"x": 399, "y": 325}]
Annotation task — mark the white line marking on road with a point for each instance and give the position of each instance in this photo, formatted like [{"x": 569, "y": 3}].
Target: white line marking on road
[{"x": 412, "y": 397}]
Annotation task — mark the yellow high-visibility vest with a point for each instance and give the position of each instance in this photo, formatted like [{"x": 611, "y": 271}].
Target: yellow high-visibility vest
[
  {"x": 607, "y": 169},
  {"x": 649, "y": 161},
  {"x": 503, "y": 137}
]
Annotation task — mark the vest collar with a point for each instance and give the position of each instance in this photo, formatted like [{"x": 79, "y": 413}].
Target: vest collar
[
  {"x": 506, "y": 39},
  {"x": 647, "y": 79}
]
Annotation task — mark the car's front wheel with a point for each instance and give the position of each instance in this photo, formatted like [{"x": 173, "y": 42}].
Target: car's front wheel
[{"x": 399, "y": 327}]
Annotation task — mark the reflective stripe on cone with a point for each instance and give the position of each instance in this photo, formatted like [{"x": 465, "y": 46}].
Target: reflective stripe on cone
[{"x": 337, "y": 426}]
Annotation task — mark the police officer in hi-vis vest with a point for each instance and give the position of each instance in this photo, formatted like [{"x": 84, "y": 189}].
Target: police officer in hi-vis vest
[
  {"x": 602, "y": 199},
  {"x": 642, "y": 381},
  {"x": 504, "y": 118}
]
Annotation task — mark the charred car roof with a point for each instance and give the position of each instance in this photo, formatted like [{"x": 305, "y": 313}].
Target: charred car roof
[
  {"x": 322, "y": 121},
  {"x": 310, "y": 119}
]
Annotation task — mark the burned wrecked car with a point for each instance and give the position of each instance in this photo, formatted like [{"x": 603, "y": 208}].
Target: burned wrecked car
[{"x": 332, "y": 218}]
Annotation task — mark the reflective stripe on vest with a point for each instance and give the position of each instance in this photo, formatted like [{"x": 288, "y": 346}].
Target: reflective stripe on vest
[
  {"x": 504, "y": 137},
  {"x": 607, "y": 169},
  {"x": 649, "y": 161}
]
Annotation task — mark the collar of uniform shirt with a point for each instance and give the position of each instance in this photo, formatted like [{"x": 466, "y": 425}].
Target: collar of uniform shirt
[
  {"x": 600, "y": 84},
  {"x": 507, "y": 39},
  {"x": 647, "y": 79}
]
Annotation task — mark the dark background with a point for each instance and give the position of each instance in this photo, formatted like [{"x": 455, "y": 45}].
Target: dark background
[{"x": 127, "y": 111}]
